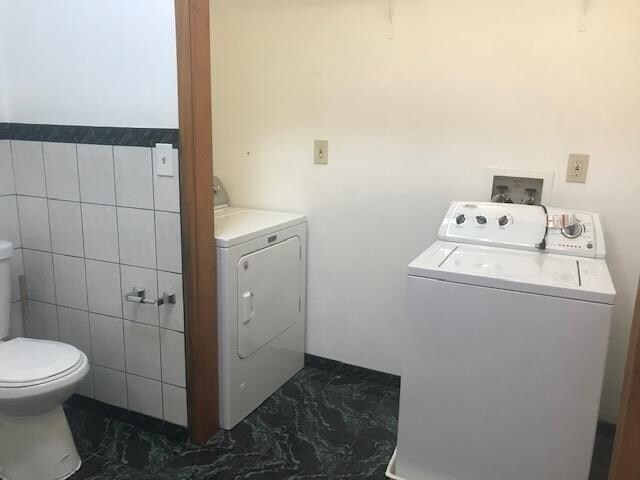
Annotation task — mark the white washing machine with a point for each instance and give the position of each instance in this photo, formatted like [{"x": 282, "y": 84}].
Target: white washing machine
[
  {"x": 262, "y": 258},
  {"x": 504, "y": 346}
]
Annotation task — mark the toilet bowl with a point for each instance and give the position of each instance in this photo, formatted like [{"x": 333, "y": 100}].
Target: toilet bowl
[{"x": 36, "y": 377}]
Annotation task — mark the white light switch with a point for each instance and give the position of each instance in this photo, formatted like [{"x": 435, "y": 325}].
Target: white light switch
[{"x": 164, "y": 156}]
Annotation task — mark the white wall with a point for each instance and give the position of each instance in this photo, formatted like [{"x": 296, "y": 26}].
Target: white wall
[
  {"x": 91, "y": 62},
  {"x": 412, "y": 123},
  {"x": 4, "y": 100}
]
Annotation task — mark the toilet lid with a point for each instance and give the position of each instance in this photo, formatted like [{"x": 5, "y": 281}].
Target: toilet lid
[{"x": 24, "y": 360}]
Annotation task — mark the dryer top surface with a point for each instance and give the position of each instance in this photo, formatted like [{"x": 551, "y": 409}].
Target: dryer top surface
[{"x": 235, "y": 225}]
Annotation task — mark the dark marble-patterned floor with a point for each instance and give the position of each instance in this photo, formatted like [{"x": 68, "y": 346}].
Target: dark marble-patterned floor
[{"x": 330, "y": 421}]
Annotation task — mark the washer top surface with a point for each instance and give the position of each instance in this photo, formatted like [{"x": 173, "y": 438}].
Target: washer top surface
[
  {"x": 551, "y": 274},
  {"x": 235, "y": 225},
  {"x": 499, "y": 246}
]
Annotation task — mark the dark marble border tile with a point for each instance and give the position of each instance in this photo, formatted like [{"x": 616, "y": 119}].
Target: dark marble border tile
[
  {"x": 137, "y": 137},
  {"x": 5, "y": 131},
  {"x": 340, "y": 368}
]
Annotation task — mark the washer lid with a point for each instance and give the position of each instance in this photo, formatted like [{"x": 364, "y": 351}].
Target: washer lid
[
  {"x": 24, "y": 360},
  {"x": 239, "y": 225},
  {"x": 6, "y": 250},
  {"x": 563, "y": 276}
]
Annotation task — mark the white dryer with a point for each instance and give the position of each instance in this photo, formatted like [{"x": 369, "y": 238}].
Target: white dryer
[
  {"x": 262, "y": 258},
  {"x": 504, "y": 346}
]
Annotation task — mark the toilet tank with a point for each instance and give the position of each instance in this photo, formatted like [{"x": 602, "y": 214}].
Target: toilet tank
[{"x": 6, "y": 252}]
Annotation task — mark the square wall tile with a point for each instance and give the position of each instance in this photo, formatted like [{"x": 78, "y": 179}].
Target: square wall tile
[
  {"x": 28, "y": 166},
  {"x": 7, "y": 181},
  {"x": 136, "y": 232},
  {"x": 16, "y": 326},
  {"x": 166, "y": 190},
  {"x": 174, "y": 400},
  {"x": 38, "y": 271},
  {"x": 169, "y": 242},
  {"x": 107, "y": 344},
  {"x": 110, "y": 386},
  {"x": 66, "y": 228},
  {"x": 17, "y": 269},
  {"x": 34, "y": 223},
  {"x": 173, "y": 363},
  {"x": 144, "y": 396},
  {"x": 43, "y": 321},
  {"x": 85, "y": 388},
  {"x": 100, "y": 227},
  {"x": 171, "y": 315},
  {"x": 95, "y": 168},
  {"x": 9, "y": 224},
  {"x": 142, "y": 349},
  {"x": 103, "y": 288},
  {"x": 143, "y": 278},
  {"x": 74, "y": 329},
  {"x": 71, "y": 281},
  {"x": 61, "y": 170},
  {"x": 134, "y": 185}
]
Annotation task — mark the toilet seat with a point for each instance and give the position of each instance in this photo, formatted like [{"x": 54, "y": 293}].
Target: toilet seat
[{"x": 26, "y": 362}]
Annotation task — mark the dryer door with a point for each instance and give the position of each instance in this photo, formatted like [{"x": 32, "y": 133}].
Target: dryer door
[{"x": 268, "y": 294}]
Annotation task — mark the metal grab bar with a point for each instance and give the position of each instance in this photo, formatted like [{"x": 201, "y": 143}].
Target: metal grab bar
[{"x": 137, "y": 295}]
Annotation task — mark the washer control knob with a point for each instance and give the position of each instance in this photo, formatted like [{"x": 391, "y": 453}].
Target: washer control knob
[
  {"x": 481, "y": 219},
  {"x": 503, "y": 220},
  {"x": 573, "y": 230},
  {"x": 460, "y": 219}
]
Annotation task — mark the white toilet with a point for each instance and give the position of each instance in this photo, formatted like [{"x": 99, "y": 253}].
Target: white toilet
[{"x": 36, "y": 377}]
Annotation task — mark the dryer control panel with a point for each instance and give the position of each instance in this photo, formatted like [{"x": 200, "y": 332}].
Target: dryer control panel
[{"x": 527, "y": 227}]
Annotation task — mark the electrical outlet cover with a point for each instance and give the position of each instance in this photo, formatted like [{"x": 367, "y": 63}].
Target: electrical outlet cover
[{"x": 577, "y": 167}]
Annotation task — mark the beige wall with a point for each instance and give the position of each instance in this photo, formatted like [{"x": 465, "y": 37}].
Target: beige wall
[{"x": 412, "y": 123}]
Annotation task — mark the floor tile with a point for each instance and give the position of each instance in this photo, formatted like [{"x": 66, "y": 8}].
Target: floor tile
[
  {"x": 141, "y": 449},
  {"x": 93, "y": 432},
  {"x": 367, "y": 459}
]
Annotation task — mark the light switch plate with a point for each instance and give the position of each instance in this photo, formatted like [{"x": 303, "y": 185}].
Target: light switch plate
[
  {"x": 164, "y": 156},
  {"x": 577, "y": 167},
  {"x": 321, "y": 152}
]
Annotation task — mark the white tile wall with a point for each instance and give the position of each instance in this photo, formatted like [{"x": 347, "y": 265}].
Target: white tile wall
[
  {"x": 17, "y": 269},
  {"x": 142, "y": 349},
  {"x": 28, "y": 167},
  {"x": 43, "y": 320},
  {"x": 172, "y": 347},
  {"x": 107, "y": 341},
  {"x": 9, "y": 224},
  {"x": 95, "y": 167},
  {"x": 174, "y": 402},
  {"x": 134, "y": 182},
  {"x": 7, "y": 179},
  {"x": 74, "y": 329},
  {"x": 90, "y": 222},
  {"x": 110, "y": 386},
  {"x": 71, "y": 281},
  {"x": 38, "y": 271},
  {"x": 65, "y": 222},
  {"x": 136, "y": 234},
  {"x": 61, "y": 170},
  {"x": 100, "y": 228},
  {"x": 168, "y": 241},
  {"x": 33, "y": 213},
  {"x": 144, "y": 395}
]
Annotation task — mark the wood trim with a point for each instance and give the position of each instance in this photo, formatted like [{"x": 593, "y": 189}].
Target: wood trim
[
  {"x": 196, "y": 198},
  {"x": 625, "y": 464}
]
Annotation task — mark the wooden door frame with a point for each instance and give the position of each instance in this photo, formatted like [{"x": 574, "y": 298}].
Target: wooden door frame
[
  {"x": 193, "y": 48},
  {"x": 625, "y": 464}
]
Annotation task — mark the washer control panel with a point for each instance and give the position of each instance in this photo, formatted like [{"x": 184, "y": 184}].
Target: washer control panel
[{"x": 564, "y": 231}]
